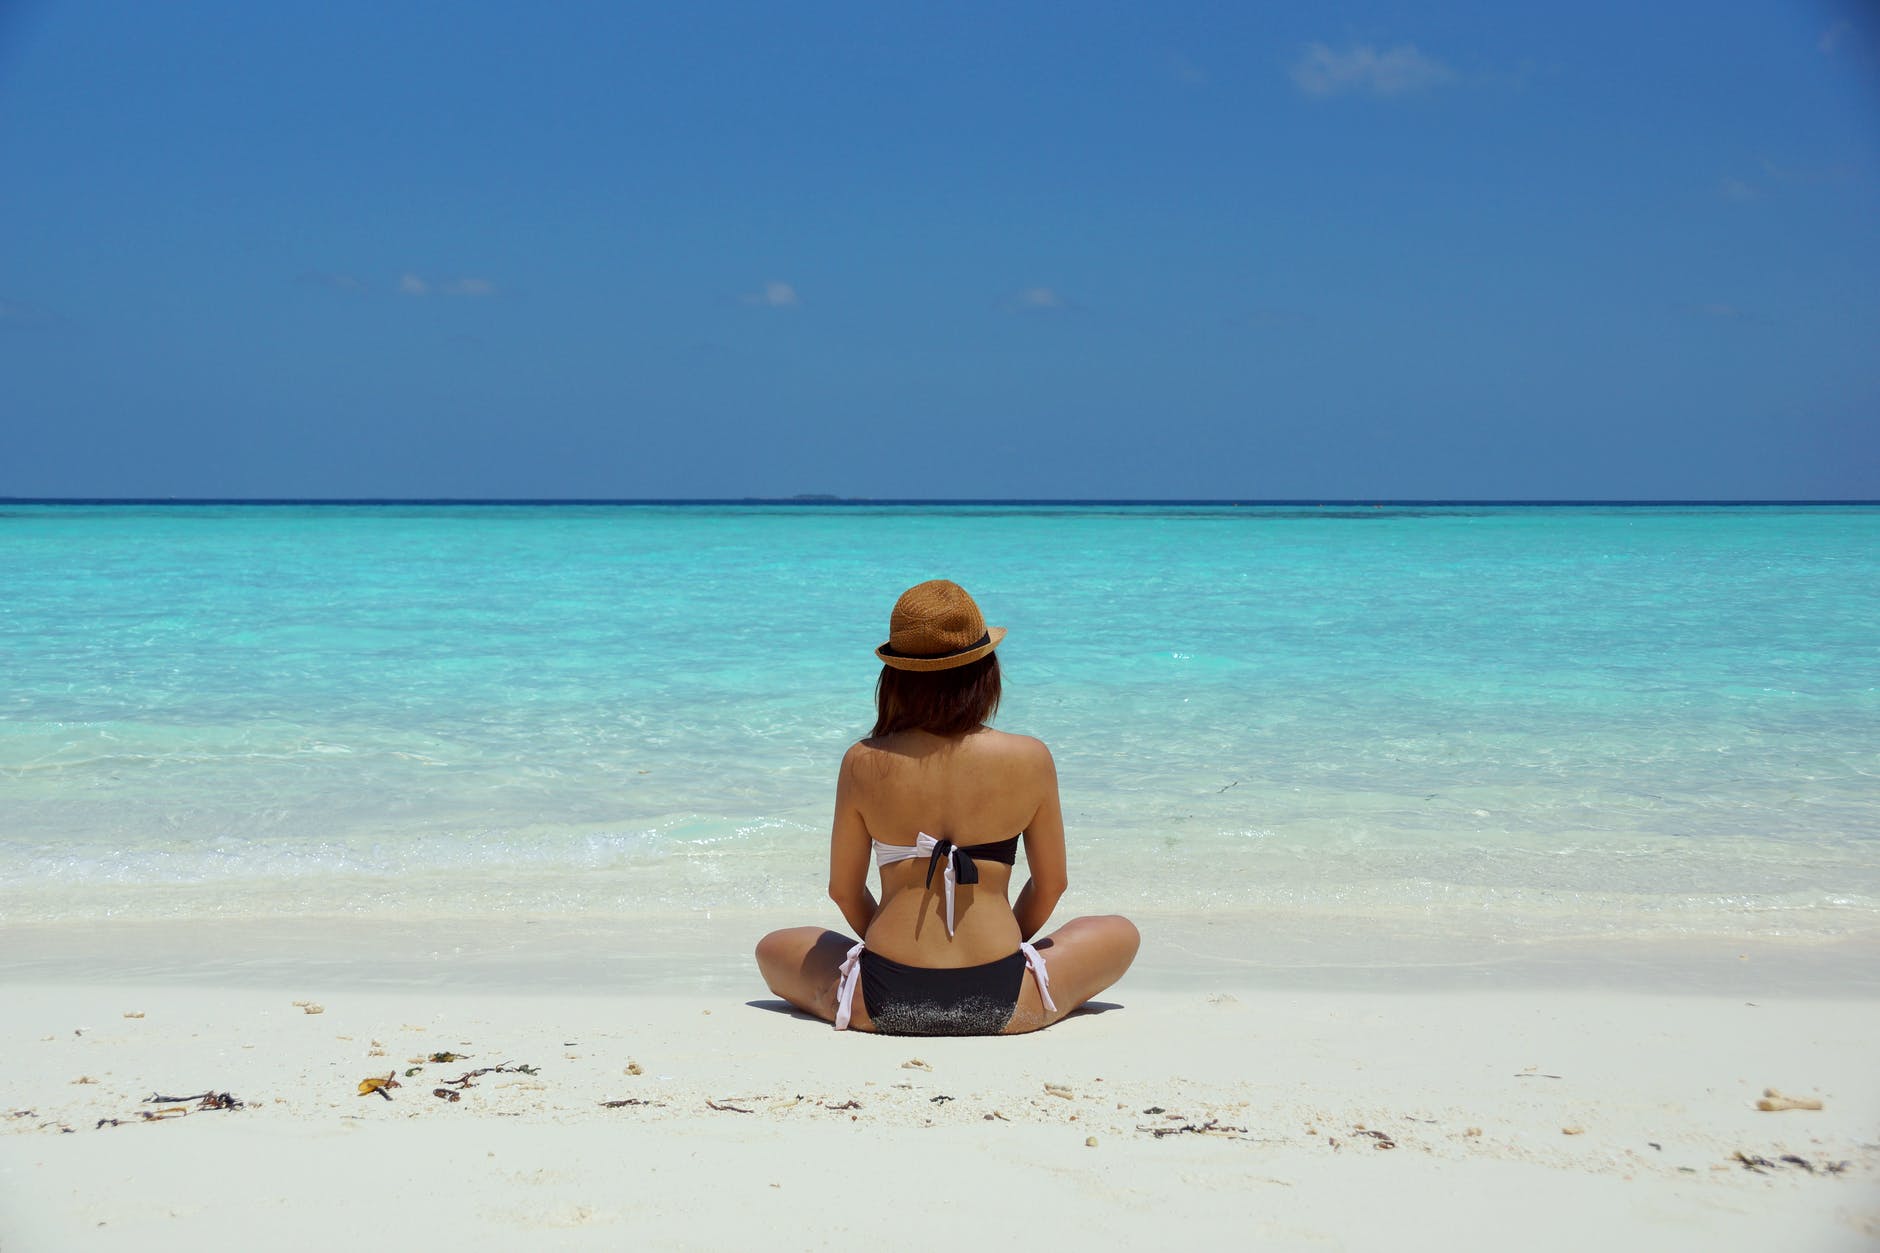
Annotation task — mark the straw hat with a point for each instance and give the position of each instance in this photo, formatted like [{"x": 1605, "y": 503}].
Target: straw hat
[{"x": 936, "y": 626}]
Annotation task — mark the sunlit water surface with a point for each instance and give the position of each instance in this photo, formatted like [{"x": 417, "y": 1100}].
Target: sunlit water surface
[{"x": 1541, "y": 722}]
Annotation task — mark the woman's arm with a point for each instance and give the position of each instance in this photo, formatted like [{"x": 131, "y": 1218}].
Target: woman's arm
[
  {"x": 1044, "y": 855},
  {"x": 849, "y": 847}
]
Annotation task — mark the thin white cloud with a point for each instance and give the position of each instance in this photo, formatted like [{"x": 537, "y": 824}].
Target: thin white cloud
[
  {"x": 1363, "y": 68},
  {"x": 1036, "y": 298},
  {"x": 773, "y": 295},
  {"x": 1807, "y": 175},
  {"x": 410, "y": 284},
  {"x": 339, "y": 282},
  {"x": 1184, "y": 71},
  {"x": 468, "y": 287},
  {"x": 1736, "y": 189}
]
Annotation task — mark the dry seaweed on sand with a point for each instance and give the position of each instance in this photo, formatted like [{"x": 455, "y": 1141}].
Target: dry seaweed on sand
[
  {"x": 447, "y": 1057},
  {"x": 1209, "y": 1128},
  {"x": 176, "y": 1107},
  {"x": 1758, "y": 1164},
  {"x": 630, "y": 1100},
  {"x": 204, "y": 1100},
  {"x": 463, "y": 1080}
]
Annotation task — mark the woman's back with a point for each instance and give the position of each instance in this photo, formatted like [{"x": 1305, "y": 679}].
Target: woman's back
[
  {"x": 936, "y": 802},
  {"x": 979, "y": 788}
]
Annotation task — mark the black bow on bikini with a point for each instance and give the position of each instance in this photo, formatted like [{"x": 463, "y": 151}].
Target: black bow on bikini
[{"x": 965, "y": 869}]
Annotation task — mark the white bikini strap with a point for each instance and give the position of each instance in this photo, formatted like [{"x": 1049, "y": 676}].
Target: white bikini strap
[
  {"x": 946, "y": 872},
  {"x": 955, "y": 866},
  {"x": 846, "y": 979},
  {"x": 1035, "y": 960}
]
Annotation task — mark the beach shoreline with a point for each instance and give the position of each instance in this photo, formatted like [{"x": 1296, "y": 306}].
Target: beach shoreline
[
  {"x": 709, "y": 952},
  {"x": 1230, "y": 1105}
]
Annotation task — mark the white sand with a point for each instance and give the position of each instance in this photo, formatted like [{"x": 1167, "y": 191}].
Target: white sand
[{"x": 1474, "y": 1088}]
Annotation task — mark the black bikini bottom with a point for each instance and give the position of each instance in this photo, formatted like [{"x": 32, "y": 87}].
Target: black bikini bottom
[{"x": 924, "y": 1000}]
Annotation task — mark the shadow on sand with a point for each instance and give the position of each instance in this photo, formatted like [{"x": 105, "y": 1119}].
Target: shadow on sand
[{"x": 776, "y": 1006}]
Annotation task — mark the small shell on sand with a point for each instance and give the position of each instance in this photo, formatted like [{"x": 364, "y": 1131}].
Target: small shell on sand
[
  {"x": 1774, "y": 1102},
  {"x": 1090, "y": 1142},
  {"x": 633, "y": 1068},
  {"x": 1060, "y": 1090},
  {"x": 1573, "y": 1131},
  {"x": 914, "y": 1063}
]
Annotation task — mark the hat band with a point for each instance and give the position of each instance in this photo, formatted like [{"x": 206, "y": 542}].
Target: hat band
[{"x": 889, "y": 650}]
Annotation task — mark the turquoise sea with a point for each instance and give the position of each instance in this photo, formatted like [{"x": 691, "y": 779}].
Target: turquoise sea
[{"x": 1529, "y": 721}]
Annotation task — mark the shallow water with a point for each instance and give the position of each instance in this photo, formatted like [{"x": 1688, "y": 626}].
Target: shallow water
[{"x": 1542, "y": 722}]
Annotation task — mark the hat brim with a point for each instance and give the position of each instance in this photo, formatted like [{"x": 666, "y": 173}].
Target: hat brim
[{"x": 948, "y": 662}]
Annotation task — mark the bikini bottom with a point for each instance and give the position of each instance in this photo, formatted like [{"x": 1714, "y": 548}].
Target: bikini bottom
[
  {"x": 923, "y": 1000},
  {"x": 927, "y": 1000}
]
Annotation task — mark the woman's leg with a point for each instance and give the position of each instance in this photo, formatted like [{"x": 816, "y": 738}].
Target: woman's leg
[
  {"x": 1083, "y": 957},
  {"x": 801, "y": 965}
]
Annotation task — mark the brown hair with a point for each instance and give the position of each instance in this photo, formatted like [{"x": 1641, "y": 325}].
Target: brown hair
[{"x": 945, "y": 702}]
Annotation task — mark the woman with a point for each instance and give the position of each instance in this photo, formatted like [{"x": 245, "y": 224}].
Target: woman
[{"x": 942, "y": 801}]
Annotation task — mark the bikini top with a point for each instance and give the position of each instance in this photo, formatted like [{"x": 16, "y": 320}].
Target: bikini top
[{"x": 955, "y": 863}]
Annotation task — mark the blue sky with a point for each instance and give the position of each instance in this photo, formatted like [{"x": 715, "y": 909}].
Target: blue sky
[{"x": 1239, "y": 251}]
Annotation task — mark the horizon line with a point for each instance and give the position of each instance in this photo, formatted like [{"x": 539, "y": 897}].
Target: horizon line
[{"x": 865, "y": 501}]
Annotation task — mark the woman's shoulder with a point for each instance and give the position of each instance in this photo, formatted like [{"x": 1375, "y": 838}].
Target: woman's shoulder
[
  {"x": 1010, "y": 744},
  {"x": 1019, "y": 760},
  {"x": 985, "y": 743}
]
